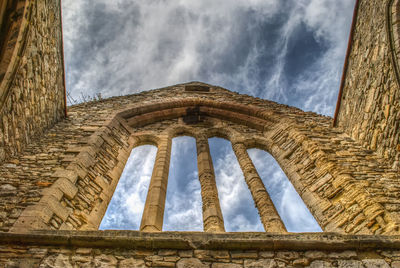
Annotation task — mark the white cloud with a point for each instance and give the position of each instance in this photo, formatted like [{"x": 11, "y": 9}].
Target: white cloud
[
  {"x": 235, "y": 198},
  {"x": 290, "y": 206},
  {"x": 120, "y": 47},
  {"x": 126, "y": 206},
  {"x": 183, "y": 211}
]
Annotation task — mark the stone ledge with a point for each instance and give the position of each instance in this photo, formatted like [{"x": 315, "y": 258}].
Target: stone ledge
[{"x": 200, "y": 240}]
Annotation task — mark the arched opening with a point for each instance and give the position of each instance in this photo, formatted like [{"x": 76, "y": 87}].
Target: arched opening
[
  {"x": 183, "y": 210},
  {"x": 175, "y": 207},
  {"x": 288, "y": 203},
  {"x": 124, "y": 212},
  {"x": 236, "y": 201},
  {"x": 251, "y": 202}
]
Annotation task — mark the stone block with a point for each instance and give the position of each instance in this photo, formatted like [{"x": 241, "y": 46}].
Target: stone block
[
  {"x": 54, "y": 205},
  {"x": 262, "y": 263},
  {"x": 244, "y": 255},
  {"x": 396, "y": 264},
  {"x": 185, "y": 253},
  {"x": 68, "y": 174},
  {"x": 220, "y": 254},
  {"x": 287, "y": 255},
  {"x": 68, "y": 188},
  {"x": 131, "y": 262},
  {"x": 59, "y": 260},
  {"x": 348, "y": 254},
  {"x": 167, "y": 252},
  {"x": 190, "y": 263},
  {"x": 225, "y": 265},
  {"x": 315, "y": 254},
  {"x": 163, "y": 264},
  {"x": 321, "y": 264},
  {"x": 104, "y": 260},
  {"x": 301, "y": 262},
  {"x": 350, "y": 264},
  {"x": 375, "y": 263},
  {"x": 266, "y": 254}
]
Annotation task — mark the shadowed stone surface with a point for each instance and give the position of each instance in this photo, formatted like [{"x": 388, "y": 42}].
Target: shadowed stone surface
[{"x": 31, "y": 73}]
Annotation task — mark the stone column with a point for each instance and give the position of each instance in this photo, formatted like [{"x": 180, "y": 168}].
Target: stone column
[
  {"x": 266, "y": 209},
  {"x": 212, "y": 215},
  {"x": 153, "y": 213}
]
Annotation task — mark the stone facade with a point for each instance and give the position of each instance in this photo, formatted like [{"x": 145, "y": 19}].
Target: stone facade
[
  {"x": 31, "y": 73},
  {"x": 73, "y": 170},
  {"x": 370, "y": 104},
  {"x": 55, "y": 189}
]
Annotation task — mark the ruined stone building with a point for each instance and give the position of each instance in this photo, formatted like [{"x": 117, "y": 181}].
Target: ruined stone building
[{"x": 59, "y": 168}]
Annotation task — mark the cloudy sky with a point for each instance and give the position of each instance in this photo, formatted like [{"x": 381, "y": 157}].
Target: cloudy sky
[{"x": 289, "y": 51}]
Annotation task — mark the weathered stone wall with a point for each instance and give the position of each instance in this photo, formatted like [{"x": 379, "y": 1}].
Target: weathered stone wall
[
  {"x": 66, "y": 179},
  {"x": 370, "y": 103},
  {"x": 64, "y": 153},
  {"x": 31, "y": 75},
  {"x": 188, "y": 250}
]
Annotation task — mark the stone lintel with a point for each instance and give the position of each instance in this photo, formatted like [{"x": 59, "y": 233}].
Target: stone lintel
[{"x": 200, "y": 240}]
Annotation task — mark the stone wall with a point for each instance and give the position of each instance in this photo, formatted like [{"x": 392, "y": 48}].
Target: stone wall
[
  {"x": 65, "y": 179},
  {"x": 370, "y": 105},
  {"x": 188, "y": 250},
  {"x": 31, "y": 72},
  {"x": 57, "y": 186}
]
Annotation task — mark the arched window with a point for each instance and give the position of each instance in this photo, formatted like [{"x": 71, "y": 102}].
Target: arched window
[
  {"x": 126, "y": 206},
  {"x": 183, "y": 203},
  {"x": 288, "y": 203},
  {"x": 237, "y": 204}
]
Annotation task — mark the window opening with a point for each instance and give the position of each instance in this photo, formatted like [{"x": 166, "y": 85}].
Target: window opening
[
  {"x": 125, "y": 209},
  {"x": 183, "y": 211},
  {"x": 291, "y": 208},
  {"x": 236, "y": 202}
]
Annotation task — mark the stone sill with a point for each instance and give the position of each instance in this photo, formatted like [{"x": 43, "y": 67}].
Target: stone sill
[{"x": 200, "y": 240}]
